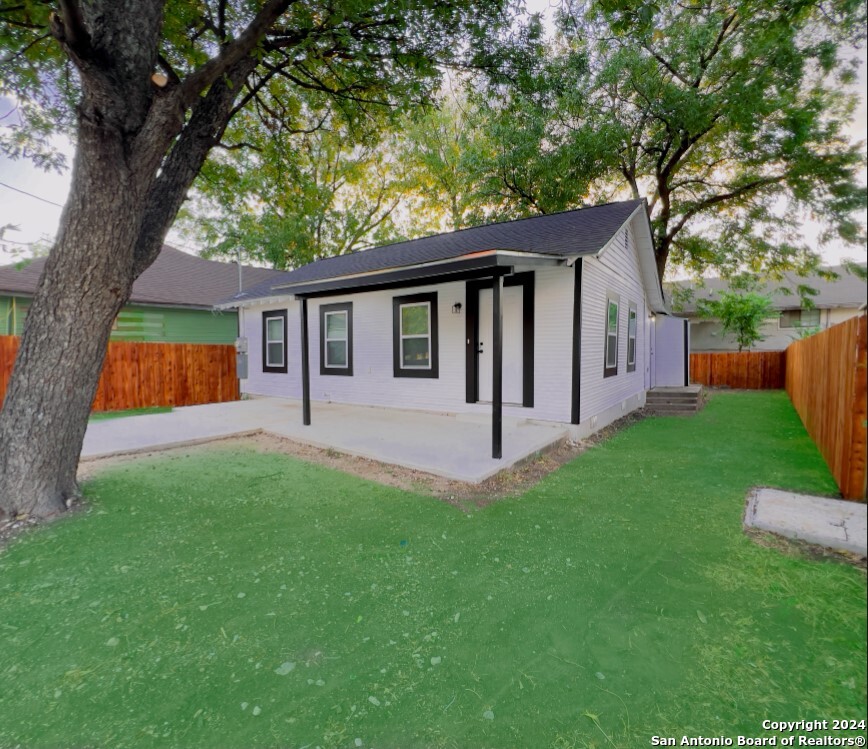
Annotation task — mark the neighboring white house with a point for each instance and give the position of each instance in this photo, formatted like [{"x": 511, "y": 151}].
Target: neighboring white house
[
  {"x": 835, "y": 302},
  {"x": 414, "y": 325}
]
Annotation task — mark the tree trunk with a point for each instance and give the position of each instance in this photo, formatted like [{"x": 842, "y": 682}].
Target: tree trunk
[
  {"x": 662, "y": 243},
  {"x": 140, "y": 146},
  {"x": 660, "y": 256},
  {"x": 87, "y": 279}
]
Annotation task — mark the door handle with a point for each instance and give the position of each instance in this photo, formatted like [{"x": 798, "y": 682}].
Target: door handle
[{"x": 479, "y": 350}]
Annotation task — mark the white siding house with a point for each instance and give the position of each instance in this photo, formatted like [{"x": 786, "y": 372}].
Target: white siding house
[{"x": 412, "y": 325}]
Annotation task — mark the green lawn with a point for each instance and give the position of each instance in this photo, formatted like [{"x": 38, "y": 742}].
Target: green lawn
[
  {"x": 103, "y": 415},
  {"x": 248, "y": 600}
]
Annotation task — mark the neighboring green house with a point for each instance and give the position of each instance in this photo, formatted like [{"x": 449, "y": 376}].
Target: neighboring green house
[{"x": 172, "y": 301}]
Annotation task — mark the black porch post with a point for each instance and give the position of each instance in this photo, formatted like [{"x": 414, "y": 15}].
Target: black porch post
[
  {"x": 497, "y": 375},
  {"x": 305, "y": 366},
  {"x": 576, "y": 397}
]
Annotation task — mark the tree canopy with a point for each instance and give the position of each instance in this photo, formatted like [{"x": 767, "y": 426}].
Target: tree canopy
[
  {"x": 285, "y": 198},
  {"x": 728, "y": 116}
]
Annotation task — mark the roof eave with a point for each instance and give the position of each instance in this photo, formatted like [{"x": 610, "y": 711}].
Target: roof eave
[
  {"x": 423, "y": 267},
  {"x": 253, "y": 301},
  {"x": 424, "y": 273}
]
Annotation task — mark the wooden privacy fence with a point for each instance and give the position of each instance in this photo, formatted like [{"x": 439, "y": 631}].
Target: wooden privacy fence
[
  {"x": 826, "y": 381},
  {"x": 140, "y": 375},
  {"x": 750, "y": 370}
]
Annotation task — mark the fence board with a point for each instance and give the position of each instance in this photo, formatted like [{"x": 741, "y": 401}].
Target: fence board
[
  {"x": 826, "y": 381},
  {"x": 139, "y": 375},
  {"x": 8, "y": 349},
  {"x": 745, "y": 370}
]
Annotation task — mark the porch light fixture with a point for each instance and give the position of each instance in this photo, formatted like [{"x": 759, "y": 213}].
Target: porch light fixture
[{"x": 456, "y": 308}]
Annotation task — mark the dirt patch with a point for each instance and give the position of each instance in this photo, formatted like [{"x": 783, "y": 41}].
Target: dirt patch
[
  {"x": 459, "y": 493},
  {"x": 804, "y": 550},
  {"x": 509, "y": 483},
  {"x": 11, "y": 528}
]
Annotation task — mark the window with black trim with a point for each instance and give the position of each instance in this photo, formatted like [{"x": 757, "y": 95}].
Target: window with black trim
[
  {"x": 610, "y": 364},
  {"x": 414, "y": 336},
  {"x": 336, "y": 339},
  {"x": 632, "y": 322},
  {"x": 274, "y": 341}
]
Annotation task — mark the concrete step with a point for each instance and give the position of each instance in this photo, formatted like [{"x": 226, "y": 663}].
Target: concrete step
[
  {"x": 671, "y": 402},
  {"x": 652, "y": 396},
  {"x": 670, "y": 399},
  {"x": 672, "y": 406},
  {"x": 674, "y": 401}
]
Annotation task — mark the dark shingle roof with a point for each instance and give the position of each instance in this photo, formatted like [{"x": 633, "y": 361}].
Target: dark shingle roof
[
  {"x": 175, "y": 278},
  {"x": 847, "y": 291},
  {"x": 580, "y": 232}
]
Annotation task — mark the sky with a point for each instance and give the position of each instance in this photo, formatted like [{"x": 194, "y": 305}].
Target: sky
[{"x": 36, "y": 216}]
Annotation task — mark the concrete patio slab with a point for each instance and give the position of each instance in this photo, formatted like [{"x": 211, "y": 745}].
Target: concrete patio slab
[
  {"x": 833, "y": 523},
  {"x": 443, "y": 444},
  {"x": 181, "y": 426}
]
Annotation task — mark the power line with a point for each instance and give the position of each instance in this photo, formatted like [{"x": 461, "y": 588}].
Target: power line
[{"x": 30, "y": 195}]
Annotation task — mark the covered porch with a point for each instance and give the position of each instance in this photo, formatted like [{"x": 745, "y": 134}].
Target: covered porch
[
  {"x": 457, "y": 447},
  {"x": 489, "y": 272}
]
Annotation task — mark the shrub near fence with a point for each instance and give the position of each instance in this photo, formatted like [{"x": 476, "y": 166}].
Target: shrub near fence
[
  {"x": 746, "y": 370},
  {"x": 826, "y": 381},
  {"x": 140, "y": 375}
]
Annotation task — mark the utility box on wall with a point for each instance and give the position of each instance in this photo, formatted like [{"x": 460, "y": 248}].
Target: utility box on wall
[{"x": 241, "y": 358}]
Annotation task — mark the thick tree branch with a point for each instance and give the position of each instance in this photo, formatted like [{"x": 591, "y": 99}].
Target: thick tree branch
[
  {"x": 202, "y": 132},
  {"x": 238, "y": 146},
  {"x": 234, "y": 52},
  {"x": 721, "y": 198},
  {"x": 221, "y": 19},
  {"x": 665, "y": 63},
  {"x": 70, "y": 30},
  {"x": 730, "y": 24}
]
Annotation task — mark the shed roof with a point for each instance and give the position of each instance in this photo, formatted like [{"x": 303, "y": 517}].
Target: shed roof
[{"x": 175, "y": 278}]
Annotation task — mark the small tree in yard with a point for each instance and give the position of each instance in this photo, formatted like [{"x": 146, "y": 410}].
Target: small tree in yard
[{"x": 741, "y": 314}]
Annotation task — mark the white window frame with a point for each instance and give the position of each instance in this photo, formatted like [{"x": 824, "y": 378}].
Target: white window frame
[
  {"x": 280, "y": 340},
  {"x": 345, "y": 340},
  {"x": 610, "y": 370},
  {"x": 415, "y": 335}
]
